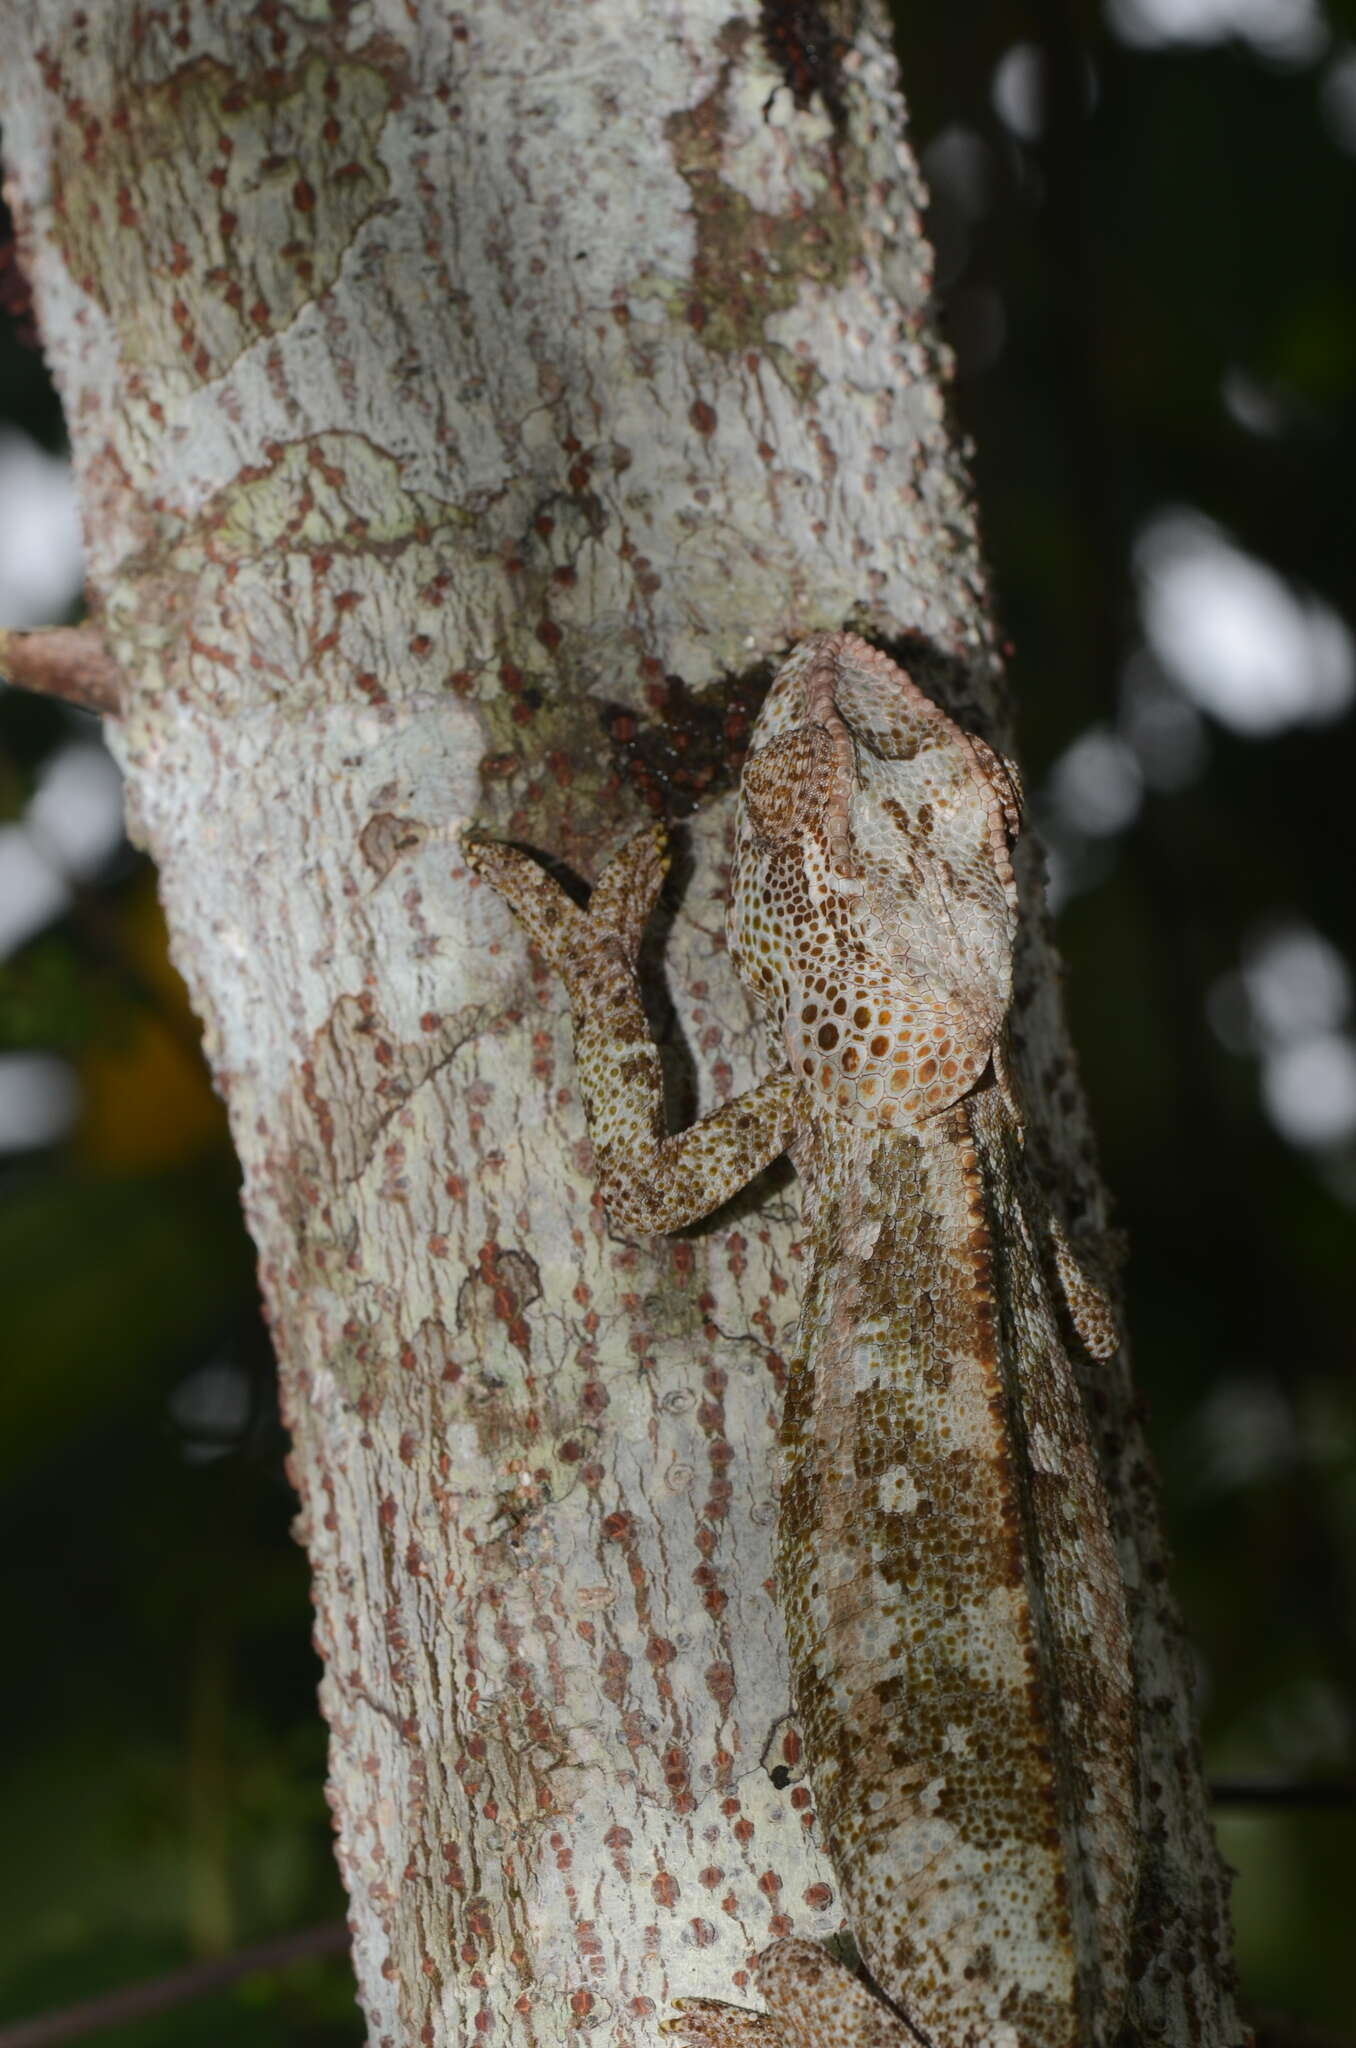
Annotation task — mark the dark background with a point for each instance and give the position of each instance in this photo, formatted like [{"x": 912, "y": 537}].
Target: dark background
[{"x": 1144, "y": 226}]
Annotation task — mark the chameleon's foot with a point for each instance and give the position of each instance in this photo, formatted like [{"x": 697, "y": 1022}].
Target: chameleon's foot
[
  {"x": 624, "y": 893},
  {"x": 707, "y": 2023},
  {"x": 564, "y": 934},
  {"x": 1085, "y": 1292},
  {"x": 557, "y": 927},
  {"x": 812, "y": 2002}
]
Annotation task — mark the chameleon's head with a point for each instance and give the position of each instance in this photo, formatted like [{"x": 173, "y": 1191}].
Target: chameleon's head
[{"x": 872, "y": 908}]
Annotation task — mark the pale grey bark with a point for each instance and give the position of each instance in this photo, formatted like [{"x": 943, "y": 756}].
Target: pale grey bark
[{"x": 436, "y": 379}]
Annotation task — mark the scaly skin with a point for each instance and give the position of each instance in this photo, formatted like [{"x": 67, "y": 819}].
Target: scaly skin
[{"x": 954, "y": 1608}]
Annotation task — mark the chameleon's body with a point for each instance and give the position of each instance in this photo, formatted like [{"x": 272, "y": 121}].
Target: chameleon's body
[{"x": 954, "y": 1609}]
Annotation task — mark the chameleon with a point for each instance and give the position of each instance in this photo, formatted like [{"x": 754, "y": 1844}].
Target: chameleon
[{"x": 954, "y": 1608}]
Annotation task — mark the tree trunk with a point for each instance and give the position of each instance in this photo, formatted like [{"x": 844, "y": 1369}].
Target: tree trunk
[{"x": 466, "y": 406}]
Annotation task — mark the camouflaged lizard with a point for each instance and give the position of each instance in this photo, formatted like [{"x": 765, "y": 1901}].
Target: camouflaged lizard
[{"x": 953, "y": 1605}]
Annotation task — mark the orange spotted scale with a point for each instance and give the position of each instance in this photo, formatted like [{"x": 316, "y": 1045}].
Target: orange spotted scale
[{"x": 954, "y": 1608}]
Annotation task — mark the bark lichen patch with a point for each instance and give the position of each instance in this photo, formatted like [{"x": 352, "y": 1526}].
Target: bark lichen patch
[
  {"x": 357, "y": 1079},
  {"x": 493, "y": 1299},
  {"x": 750, "y": 264},
  {"x": 544, "y": 761},
  {"x": 386, "y": 838},
  {"x": 308, "y": 557},
  {"x": 333, "y": 492},
  {"x": 203, "y": 211}
]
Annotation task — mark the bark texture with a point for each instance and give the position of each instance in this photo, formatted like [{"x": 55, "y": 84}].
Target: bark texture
[{"x": 464, "y": 405}]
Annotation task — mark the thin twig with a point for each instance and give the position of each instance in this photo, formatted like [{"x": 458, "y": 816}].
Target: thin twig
[
  {"x": 137, "y": 2001},
  {"x": 1274, "y": 1792},
  {"x": 70, "y": 662}
]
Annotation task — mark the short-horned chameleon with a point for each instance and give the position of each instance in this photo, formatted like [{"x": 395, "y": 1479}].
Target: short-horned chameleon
[{"x": 954, "y": 1609}]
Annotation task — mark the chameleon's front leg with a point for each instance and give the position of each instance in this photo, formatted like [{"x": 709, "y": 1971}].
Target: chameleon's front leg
[
  {"x": 650, "y": 1180},
  {"x": 812, "y": 2002}
]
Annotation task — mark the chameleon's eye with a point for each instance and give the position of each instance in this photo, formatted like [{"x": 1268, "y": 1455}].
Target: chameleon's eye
[{"x": 785, "y": 783}]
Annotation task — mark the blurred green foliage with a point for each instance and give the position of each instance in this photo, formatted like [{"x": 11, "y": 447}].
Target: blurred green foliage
[{"x": 1179, "y": 227}]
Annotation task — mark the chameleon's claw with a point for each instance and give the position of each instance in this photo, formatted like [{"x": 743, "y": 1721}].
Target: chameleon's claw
[
  {"x": 556, "y": 926},
  {"x": 625, "y": 892},
  {"x": 622, "y": 897}
]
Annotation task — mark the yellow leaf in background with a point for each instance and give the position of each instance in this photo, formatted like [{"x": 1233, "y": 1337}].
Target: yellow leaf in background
[{"x": 148, "y": 1101}]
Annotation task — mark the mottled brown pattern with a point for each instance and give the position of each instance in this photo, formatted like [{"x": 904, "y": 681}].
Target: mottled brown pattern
[{"x": 953, "y": 1603}]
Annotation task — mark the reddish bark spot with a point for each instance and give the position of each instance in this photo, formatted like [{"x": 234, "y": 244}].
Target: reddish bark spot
[
  {"x": 665, "y": 1889},
  {"x": 818, "y": 1897},
  {"x": 703, "y": 417},
  {"x": 549, "y": 634},
  {"x": 769, "y": 1884},
  {"x": 303, "y": 196}
]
